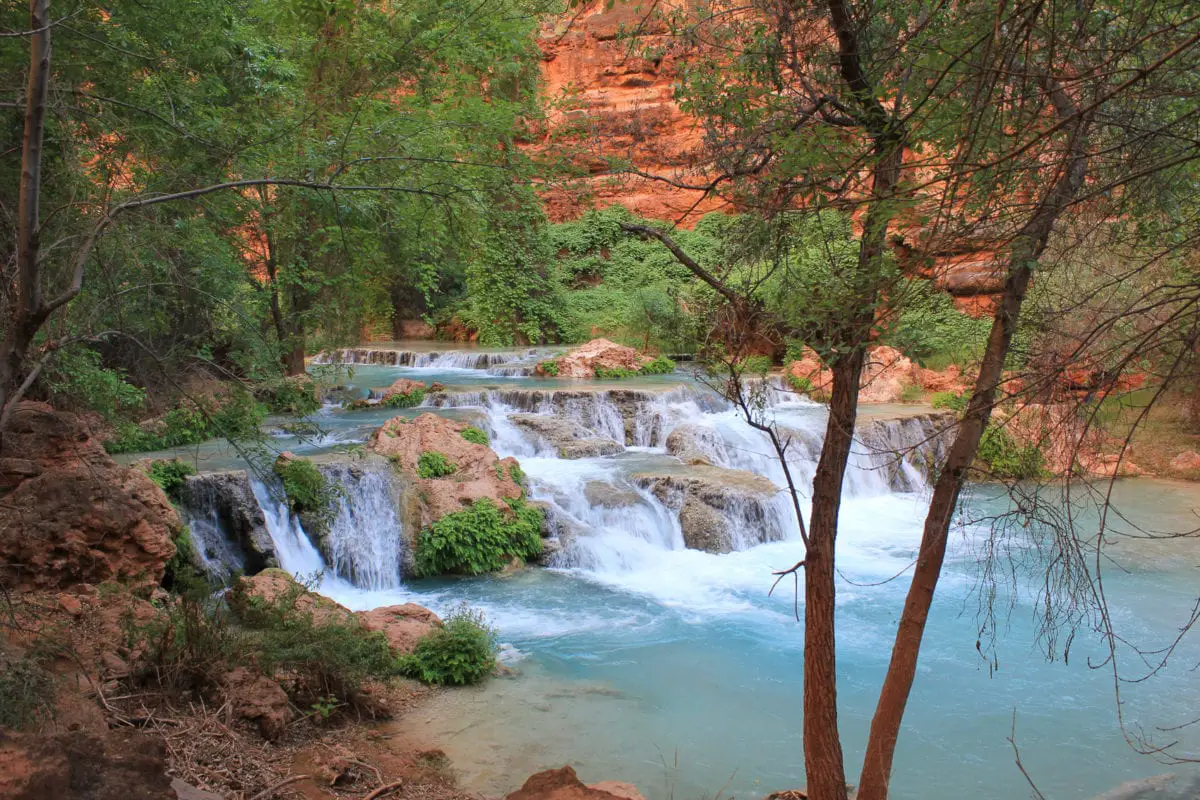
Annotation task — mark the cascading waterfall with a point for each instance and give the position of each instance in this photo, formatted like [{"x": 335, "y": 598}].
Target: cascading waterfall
[
  {"x": 365, "y": 541},
  {"x": 503, "y": 363}
]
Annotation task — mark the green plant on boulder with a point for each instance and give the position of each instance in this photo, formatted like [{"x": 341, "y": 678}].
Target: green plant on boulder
[
  {"x": 480, "y": 538},
  {"x": 1006, "y": 459},
  {"x": 613, "y": 373},
  {"x": 296, "y": 396},
  {"x": 661, "y": 365},
  {"x": 799, "y": 383},
  {"x": 169, "y": 474},
  {"x": 549, "y": 367},
  {"x": 515, "y": 472},
  {"x": 433, "y": 464},
  {"x": 953, "y": 401},
  {"x": 475, "y": 435},
  {"x": 461, "y": 652},
  {"x": 304, "y": 484},
  {"x": 410, "y": 399},
  {"x": 755, "y": 365}
]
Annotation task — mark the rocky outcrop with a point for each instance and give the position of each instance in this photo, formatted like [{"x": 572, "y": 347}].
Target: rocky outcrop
[
  {"x": 569, "y": 439},
  {"x": 227, "y": 521},
  {"x": 71, "y": 514},
  {"x": 918, "y": 440},
  {"x": 82, "y": 765},
  {"x": 609, "y": 495},
  {"x": 258, "y": 699},
  {"x": 479, "y": 474},
  {"x": 887, "y": 375},
  {"x": 720, "y": 510},
  {"x": 403, "y": 626},
  {"x": 403, "y": 386},
  {"x": 695, "y": 444},
  {"x": 1067, "y": 441},
  {"x": 564, "y": 784},
  {"x": 583, "y": 361}
]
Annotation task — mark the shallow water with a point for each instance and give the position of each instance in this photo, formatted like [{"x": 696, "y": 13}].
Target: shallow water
[{"x": 672, "y": 668}]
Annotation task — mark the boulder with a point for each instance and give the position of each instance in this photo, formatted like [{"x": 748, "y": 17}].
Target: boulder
[
  {"x": 71, "y": 514},
  {"x": 695, "y": 444},
  {"x": 886, "y": 374},
  {"x": 569, "y": 439},
  {"x": 226, "y": 502},
  {"x": 810, "y": 367},
  {"x": 274, "y": 586},
  {"x": 256, "y": 698},
  {"x": 719, "y": 509},
  {"x": 564, "y": 784},
  {"x": 582, "y": 361},
  {"x": 609, "y": 495},
  {"x": 402, "y": 625},
  {"x": 402, "y": 386},
  {"x": 81, "y": 765},
  {"x": 949, "y": 379},
  {"x": 1187, "y": 461},
  {"x": 479, "y": 473}
]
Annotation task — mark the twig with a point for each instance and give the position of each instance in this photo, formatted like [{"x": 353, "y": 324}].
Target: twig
[
  {"x": 270, "y": 790},
  {"x": 1012, "y": 739},
  {"x": 383, "y": 791}
]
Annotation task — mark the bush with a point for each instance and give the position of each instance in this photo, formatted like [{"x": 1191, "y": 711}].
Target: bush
[
  {"x": 799, "y": 383},
  {"x": 297, "y": 396},
  {"x": 463, "y": 651},
  {"x": 433, "y": 464},
  {"x": 404, "y": 399},
  {"x": 304, "y": 484},
  {"x": 756, "y": 365},
  {"x": 549, "y": 367},
  {"x": 478, "y": 539},
  {"x": 27, "y": 692},
  {"x": 236, "y": 416},
  {"x": 515, "y": 472},
  {"x": 615, "y": 373},
  {"x": 913, "y": 393},
  {"x": 954, "y": 401},
  {"x": 475, "y": 435},
  {"x": 76, "y": 376},
  {"x": 1006, "y": 459},
  {"x": 181, "y": 573},
  {"x": 661, "y": 365},
  {"x": 169, "y": 474}
]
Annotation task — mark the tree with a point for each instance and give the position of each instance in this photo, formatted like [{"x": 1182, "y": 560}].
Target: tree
[{"x": 939, "y": 125}]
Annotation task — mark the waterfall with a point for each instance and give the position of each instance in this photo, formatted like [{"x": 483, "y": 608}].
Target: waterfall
[
  {"x": 295, "y": 550},
  {"x": 365, "y": 541},
  {"x": 502, "y": 363}
]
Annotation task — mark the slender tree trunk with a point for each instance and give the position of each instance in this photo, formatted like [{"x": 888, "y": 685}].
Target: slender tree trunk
[
  {"x": 1027, "y": 247},
  {"x": 30, "y": 310},
  {"x": 823, "y": 763}
]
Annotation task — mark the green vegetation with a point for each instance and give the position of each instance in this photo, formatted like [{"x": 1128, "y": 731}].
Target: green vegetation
[
  {"x": 182, "y": 570},
  {"x": 479, "y": 539},
  {"x": 755, "y": 365},
  {"x": 308, "y": 492},
  {"x": 954, "y": 401},
  {"x": 799, "y": 383},
  {"x": 515, "y": 472},
  {"x": 475, "y": 435},
  {"x": 27, "y": 691},
  {"x": 296, "y": 396},
  {"x": 433, "y": 464},
  {"x": 614, "y": 373},
  {"x": 169, "y": 474},
  {"x": 932, "y": 332},
  {"x": 659, "y": 365},
  {"x": 410, "y": 399},
  {"x": 461, "y": 652},
  {"x": 549, "y": 367},
  {"x": 236, "y": 416},
  {"x": 1007, "y": 460}
]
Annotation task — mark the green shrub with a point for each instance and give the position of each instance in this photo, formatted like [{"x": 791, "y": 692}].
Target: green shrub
[
  {"x": 661, "y": 365},
  {"x": 549, "y": 367},
  {"x": 475, "y": 435},
  {"x": 404, "y": 399},
  {"x": 461, "y": 652},
  {"x": 615, "y": 373},
  {"x": 169, "y": 474},
  {"x": 953, "y": 401},
  {"x": 799, "y": 383},
  {"x": 237, "y": 416},
  {"x": 433, "y": 464},
  {"x": 308, "y": 492},
  {"x": 756, "y": 365},
  {"x": 181, "y": 574},
  {"x": 1006, "y": 459},
  {"x": 911, "y": 393},
  {"x": 515, "y": 472},
  {"x": 478, "y": 539},
  {"x": 76, "y": 376},
  {"x": 27, "y": 692},
  {"x": 297, "y": 396}
]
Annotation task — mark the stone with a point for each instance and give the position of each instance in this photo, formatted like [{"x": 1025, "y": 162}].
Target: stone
[
  {"x": 609, "y": 495},
  {"x": 1187, "y": 461},
  {"x": 719, "y": 509},
  {"x": 564, "y": 784},
  {"x": 570, "y": 440},
  {"x": 403, "y": 386},
  {"x": 83, "y": 765},
  {"x": 886, "y": 374},
  {"x": 695, "y": 444},
  {"x": 1168, "y": 786},
  {"x": 479, "y": 475},
  {"x": 81, "y": 518},
  {"x": 403, "y": 626},
  {"x": 272, "y": 586},
  {"x": 583, "y": 360},
  {"x": 256, "y": 698},
  {"x": 228, "y": 499}
]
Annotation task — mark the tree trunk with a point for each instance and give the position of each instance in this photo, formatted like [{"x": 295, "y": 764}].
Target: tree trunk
[
  {"x": 1026, "y": 249},
  {"x": 29, "y": 311},
  {"x": 823, "y": 765}
]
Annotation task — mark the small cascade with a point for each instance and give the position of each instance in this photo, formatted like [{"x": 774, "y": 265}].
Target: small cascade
[
  {"x": 365, "y": 541},
  {"x": 434, "y": 360},
  {"x": 296, "y": 552}
]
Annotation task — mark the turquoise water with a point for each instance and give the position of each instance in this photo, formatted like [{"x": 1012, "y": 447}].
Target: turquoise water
[{"x": 673, "y": 669}]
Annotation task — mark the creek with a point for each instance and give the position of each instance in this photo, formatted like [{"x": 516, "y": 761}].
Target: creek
[{"x": 636, "y": 658}]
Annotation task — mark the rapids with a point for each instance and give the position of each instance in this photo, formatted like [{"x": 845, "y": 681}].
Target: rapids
[{"x": 638, "y": 659}]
